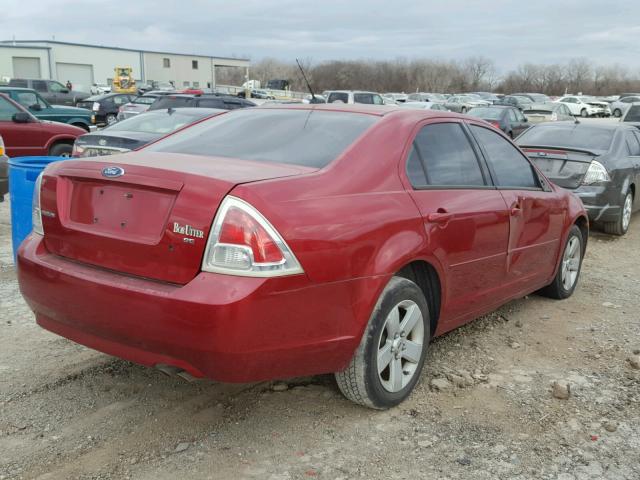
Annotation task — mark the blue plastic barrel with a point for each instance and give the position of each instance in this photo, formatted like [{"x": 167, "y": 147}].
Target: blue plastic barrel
[{"x": 23, "y": 172}]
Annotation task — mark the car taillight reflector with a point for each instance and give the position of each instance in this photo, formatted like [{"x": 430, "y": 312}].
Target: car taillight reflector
[
  {"x": 243, "y": 242},
  {"x": 239, "y": 228}
]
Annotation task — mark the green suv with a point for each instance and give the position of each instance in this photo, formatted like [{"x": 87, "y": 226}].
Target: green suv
[{"x": 40, "y": 108}]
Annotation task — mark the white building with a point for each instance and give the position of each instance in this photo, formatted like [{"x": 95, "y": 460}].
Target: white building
[{"x": 84, "y": 65}]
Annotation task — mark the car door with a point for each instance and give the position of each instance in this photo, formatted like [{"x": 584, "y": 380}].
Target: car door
[
  {"x": 536, "y": 213},
  {"x": 61, "y": 94},
  {"x": 36, "y": 105},
  {"x": 633, "y": 142},
  {"x": 465, "y": 218},
  {"x": 20, "y": 139}
]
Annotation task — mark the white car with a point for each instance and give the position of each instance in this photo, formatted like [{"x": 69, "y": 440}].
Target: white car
[
  {"x": 100, "y": 89},
  {"x": 583, "y": 106},
  {"x": 355, "y": 96},
  {"x": 620, "y": 107}
]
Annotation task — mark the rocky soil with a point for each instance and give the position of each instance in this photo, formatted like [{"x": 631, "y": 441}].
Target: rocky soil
[{"x": 540, "y": 389}]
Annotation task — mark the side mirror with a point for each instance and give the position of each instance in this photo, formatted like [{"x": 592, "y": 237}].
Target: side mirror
[
  {"x": 36, "y": 107},
  {"x": 21, "y": 117}
]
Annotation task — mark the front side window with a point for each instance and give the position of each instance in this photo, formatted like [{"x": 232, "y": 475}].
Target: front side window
[
  {"x": 39, "y": 86},
  {"x": 363, "y": 98},
  {"x": 56, "y": 87},
  {"x": 446, "y": 156},
  {"x": 7, "y": 110},
  {"x": 377, "y": 100},
  {"x": 510, "y": 168}
]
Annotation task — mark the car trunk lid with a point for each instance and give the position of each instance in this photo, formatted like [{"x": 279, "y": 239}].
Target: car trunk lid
[
  {"x": 151, "y": 221},
  {"x": 564, "y": 167}
]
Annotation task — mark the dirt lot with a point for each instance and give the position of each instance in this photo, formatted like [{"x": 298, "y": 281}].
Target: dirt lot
[{"x": 68, "y": 412}]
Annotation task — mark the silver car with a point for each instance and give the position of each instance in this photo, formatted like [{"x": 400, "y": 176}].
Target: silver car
[
  {"x": 464, "y": 103},
  {"x": 620, "y": 107}
]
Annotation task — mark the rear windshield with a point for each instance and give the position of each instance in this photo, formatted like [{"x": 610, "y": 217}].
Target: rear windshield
[
  {"x": 581, "y": 137},
  {"x": 486, "y": 113},
  {"x": 633, "y": 115},
  {"x": 144, "y": 100},
  {"x": 301, "y": 137},
  {"x": 159, "y": 122},
  {"x": 173, "y": 102}
]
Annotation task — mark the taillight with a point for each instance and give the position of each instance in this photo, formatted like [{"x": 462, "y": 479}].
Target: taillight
[
  {"x": 243, "y": 242},
  {"x": 596, "y": 173},
  {"x": 36, "y": 212},
  {"x": 495, "y": 124},
  {"x": 77, "y": 150}
]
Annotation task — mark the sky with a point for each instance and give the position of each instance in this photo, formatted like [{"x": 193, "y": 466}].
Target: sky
[{"x": 509, "y": 32}]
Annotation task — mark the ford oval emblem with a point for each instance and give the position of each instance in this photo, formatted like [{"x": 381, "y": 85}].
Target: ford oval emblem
[{"x": 112, "y": 172}]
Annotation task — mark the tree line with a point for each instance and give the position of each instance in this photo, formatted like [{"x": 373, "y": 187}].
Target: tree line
[{"x": 424, "y": 75}]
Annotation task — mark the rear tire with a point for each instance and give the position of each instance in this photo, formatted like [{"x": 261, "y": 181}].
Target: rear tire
[
  {"x": 61, "y": 150},
  {"x": 568, "y": 274},
  {"x": 617, "y": 113},
  {"x": 386, "y": 365},
  {"x": 621, "y": 225},
  {"x": 463, "y": 110},
  {"x": 111, "y": 119}
]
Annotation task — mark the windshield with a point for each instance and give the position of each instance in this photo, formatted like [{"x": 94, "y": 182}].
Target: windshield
[
  {"x": 144, "y": 100},
  {"x": 164, "y": 122},
  {"x": 633, "y": 115},
  {"x": 486, "y": 113},
  {"x": 578, "y": 136},
  {"x": 302, "y": 137}
]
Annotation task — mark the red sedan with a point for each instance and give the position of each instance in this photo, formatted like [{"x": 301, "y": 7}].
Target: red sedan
[{"x": 283, "y": 241}]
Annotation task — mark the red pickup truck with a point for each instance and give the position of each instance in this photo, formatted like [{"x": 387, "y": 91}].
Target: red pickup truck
[{"x": 25, "y": 135}]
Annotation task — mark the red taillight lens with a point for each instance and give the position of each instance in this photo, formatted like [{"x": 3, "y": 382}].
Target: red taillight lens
[{"x": 239, "y": 228}]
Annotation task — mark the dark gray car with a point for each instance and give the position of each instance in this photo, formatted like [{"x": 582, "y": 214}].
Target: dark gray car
[
  {"x": 598, "y": 162},
  {"x": 137, "y": 131},
  {"x": 52, "y": 91},
  {"x": 508, "y": 119}
]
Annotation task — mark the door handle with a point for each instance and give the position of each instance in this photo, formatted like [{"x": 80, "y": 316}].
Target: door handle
[
  {"x": 516, "y": 210},
  {"x": 441, "y": 216}
]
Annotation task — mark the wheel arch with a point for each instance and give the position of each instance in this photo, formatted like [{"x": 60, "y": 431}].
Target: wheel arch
[
  {"x": 426, "y": 276},
  {"x": 58, "y": 139}
]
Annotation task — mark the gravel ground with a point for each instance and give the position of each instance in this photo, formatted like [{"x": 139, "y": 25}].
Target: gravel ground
[{"x": 485, "y": 408}]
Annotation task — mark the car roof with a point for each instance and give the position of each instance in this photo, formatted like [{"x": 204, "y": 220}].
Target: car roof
[
  {"x": 601, "y": 126},
  {"x": 351, "y": 91},
  {"x": 378, "y": 110},
  {"x": 186, "y": 110},
  {"x": 5, "y": 88}
]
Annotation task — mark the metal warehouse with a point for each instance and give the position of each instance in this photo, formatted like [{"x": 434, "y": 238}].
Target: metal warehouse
[{"x": 85, "y": 65}]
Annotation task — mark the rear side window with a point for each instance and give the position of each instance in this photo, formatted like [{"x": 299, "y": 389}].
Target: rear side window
[
  {"x": 510, "y": 168},
  {"x": 39, "y": 86},
  {"x": 338, "y": 97},
  {"x": 633, "y": 115},
  {"x": 301, "y": 137},
  {"x": 446, "y": 157},
  {"x": 632, "y": 143},
  {"x": 363, "y": 98}
]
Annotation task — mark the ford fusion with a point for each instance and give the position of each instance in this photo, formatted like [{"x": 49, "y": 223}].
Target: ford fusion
[{"x": 297, "y": 240}]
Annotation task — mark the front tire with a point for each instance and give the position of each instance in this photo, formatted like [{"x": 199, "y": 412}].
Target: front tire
[
  {"x": 463, "y": 110},
  {"x": 583, "y": 113},
  {"x": 621, "y": 225},
  {"x": 566, "y": 279},
  {"x": 617, "y": 113},
  {"x": 386, "y": 365}
]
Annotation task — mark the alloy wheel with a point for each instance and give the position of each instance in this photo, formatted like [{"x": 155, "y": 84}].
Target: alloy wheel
[
  {"x": 626, "y": 212},
  {"x": 571, "y": 263},
  {"x": 400, "y": 346}
]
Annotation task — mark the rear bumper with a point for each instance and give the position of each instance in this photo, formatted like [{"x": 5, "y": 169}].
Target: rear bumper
[
  {"x": 231, "y": 329},
  {"x": 600, "y": 202}
]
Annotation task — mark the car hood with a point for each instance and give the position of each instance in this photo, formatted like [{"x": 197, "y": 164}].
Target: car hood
[{"x": 73, "y": 110}]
